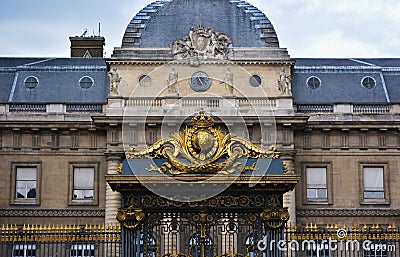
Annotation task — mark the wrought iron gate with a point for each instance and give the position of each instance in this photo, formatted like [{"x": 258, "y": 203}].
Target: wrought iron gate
[{"x": 199, "y": 229}]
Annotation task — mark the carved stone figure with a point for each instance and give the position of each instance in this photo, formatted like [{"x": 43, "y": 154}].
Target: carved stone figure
[
  {"x": 115, "y": 79},
  {"x": 172, "y": 80},
  {"x": 228, "y": 79},
  {"x": 284, "y": 83},
  {"x": 201, "y": 42}
]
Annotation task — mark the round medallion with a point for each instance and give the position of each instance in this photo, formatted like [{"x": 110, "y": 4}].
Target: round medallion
[{"x": 200, "y": 81}]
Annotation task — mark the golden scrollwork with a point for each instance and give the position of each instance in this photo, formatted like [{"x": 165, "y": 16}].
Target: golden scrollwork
[
  {"x": 275, "y": 216},
  {"x": 130, "y": 217},
  {"x": 217, "y": 201},
  {"x": 202, "y": 149}
]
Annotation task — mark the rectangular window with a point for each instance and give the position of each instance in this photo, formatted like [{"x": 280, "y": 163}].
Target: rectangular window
[
  {"x": 83, "y": 188},
  {"x": 82, "y": 250},
  {"x": 316, "y": 184},
  {"x": 373, "y": 183},
  {"x": 25, "y": 183},
  {"x": 318, "y": 249},
  {"x": 24, "y": 250},
  {"x": 380, "y": 249}
]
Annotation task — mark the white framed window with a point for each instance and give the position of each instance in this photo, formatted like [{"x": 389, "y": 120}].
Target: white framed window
[
  {"x": 313, "y": 82},
  {"x": 379, "y": 249},
  {"x": 31, "y": 82},
  {"x": 83, "y": 183},
  {"x": 25, "y": 179},
  {"x": 82, "y": 250},
  {"x": 25, "y": 183},
  {"x": 24, "y": 250},
  {"x": 368, "y": 82},
  {"x": 316, "y": 183},
  {"x": 373, "y": 183},
  {"x": 318, "y": 249},
  {"x": 86, "y": 82}
]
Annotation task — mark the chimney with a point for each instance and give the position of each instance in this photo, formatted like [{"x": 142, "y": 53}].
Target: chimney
[{"x": 87, "y": 47}]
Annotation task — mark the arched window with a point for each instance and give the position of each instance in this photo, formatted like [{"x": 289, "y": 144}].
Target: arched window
[{"x": 144, "y": 80}]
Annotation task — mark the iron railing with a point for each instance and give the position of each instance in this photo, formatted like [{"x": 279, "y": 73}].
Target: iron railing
[
  {"x": 60, "y": 241},
  {"x": 107, "y": 241},
  {"x": 91, "y": 108},
  {"x": 30, "y": 108},
  {"x": 371, "y": 108},
  {"x": 315, "y": 108}
]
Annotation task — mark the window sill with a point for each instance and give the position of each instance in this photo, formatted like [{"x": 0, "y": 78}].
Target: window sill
[
  {"x": 317, "y": 202},
  {"x": 375, "y": 202},
  {"x": 83, "y": 202},
  {"x": 25, "y": 202}
]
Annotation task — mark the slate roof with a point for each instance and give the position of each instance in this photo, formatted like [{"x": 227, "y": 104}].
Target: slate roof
[
  {"x": 341, "y": 80},
  {"x": 58, "y": 80},
  {"x": 162, "y": 22}
]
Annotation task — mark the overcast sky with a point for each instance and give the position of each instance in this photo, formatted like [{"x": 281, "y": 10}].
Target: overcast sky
[{"x": 308, "y": 28}]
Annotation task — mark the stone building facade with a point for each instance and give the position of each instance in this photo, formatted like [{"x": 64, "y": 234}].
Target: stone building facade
[{"x": 66, "y": 122}]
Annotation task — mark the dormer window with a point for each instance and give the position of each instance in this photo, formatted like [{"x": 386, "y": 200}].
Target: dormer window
[
  {"x": 31, "y": 82},
  {"x": 368, "y": 82},
  {"x": 313, "y": 82},
  {"x": 86, "y": 82}
]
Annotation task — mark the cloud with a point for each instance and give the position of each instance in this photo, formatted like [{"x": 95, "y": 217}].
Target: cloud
[{"x": 308, "y": 28}]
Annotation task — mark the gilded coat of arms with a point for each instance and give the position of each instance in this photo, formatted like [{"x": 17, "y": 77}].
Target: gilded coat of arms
[{"x": 202, "y": 149}]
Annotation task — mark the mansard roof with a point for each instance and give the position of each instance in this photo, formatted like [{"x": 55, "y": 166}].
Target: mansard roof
[
  {"x": 162, "y": 22},
  {"x": 341, "y": 80},
  {"x": 58, "y": 80}
]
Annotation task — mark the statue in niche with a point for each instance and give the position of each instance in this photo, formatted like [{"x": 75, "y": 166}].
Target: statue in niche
[
  {"x": 172, "y": 80},
  {"x": 115, "y": 79},
  {"x": 284, "y": 83},
  {"x": 228, "y": 79}
]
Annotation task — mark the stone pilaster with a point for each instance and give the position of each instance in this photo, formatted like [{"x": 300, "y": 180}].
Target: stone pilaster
[
  {"x": 289, "y": 198},
  {"x": 113, "y": 199}
]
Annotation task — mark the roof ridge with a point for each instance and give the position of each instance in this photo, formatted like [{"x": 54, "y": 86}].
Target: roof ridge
[
  {"x": 37, "y": 62},
  {"x": 359, "y": 61}
]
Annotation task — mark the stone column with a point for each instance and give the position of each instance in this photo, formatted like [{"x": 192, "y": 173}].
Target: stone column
[
  {"x": 289, "y": 198},
  {"x": 113, "y": 199}
]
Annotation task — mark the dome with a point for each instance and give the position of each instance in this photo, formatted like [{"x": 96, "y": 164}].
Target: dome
[{"x": 162, "y": 22}]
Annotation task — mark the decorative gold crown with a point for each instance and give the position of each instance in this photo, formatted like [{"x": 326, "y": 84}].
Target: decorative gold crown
[{"x": 202, "y": 121}]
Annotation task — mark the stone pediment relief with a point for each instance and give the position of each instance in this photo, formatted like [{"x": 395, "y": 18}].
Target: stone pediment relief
[
  {"x": 202, "y": 149},
  {"x": 202, "y": 42}
]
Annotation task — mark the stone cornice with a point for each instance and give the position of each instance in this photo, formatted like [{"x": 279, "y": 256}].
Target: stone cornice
[
  {"x": 348, "y": 213},
  {"x": 52, "y": 213}
]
